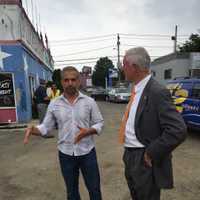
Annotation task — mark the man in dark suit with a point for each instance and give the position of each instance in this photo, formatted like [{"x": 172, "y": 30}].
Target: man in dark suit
[{"x": 152, "y": 130}]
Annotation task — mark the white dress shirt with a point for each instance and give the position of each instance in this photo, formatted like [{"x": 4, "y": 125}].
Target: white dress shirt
[
  {"x": 84, "y": 113},
  {"x": 130, "y": 136}
]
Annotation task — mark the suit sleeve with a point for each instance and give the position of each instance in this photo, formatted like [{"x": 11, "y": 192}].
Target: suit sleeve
[{"x": 173, "y": 128}]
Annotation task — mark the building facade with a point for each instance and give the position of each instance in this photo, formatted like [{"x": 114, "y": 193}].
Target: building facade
[
  {"x": 86, "y": 77},
  {"x": 25, "y": 61},
  {"x": 176, "y": 65}
]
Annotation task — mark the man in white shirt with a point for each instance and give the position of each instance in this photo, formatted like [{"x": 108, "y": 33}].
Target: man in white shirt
[
  {"x": 78, "y": 118},
  {"x": 151, "y": 129}
]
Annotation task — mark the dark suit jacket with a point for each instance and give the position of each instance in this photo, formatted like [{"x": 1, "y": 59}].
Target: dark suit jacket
[{"x": 160, "y": 128}]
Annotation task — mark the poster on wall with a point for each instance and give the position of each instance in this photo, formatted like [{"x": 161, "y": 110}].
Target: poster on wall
[{"x": 7, "y": 99}]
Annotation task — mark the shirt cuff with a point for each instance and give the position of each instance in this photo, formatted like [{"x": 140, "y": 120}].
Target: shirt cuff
[
  {"x": 42, "y": 129},
  {"x": 98, "y": 128}
]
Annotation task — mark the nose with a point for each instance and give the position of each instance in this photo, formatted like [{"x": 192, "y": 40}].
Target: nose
[{"x": 70, "y": 82}]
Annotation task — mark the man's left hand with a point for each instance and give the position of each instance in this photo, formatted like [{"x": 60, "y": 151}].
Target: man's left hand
[
  {"x": 82, "y": 133},
  {"x": 147, "y": 160}
]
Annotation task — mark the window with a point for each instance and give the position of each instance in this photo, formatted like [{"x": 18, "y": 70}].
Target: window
[
  {"x": 153, "y": 73},
  {"x": 195, "y": 73},
  {"x": 168, "y": 74},
  {"x": 196, "y": 91},
  {"x": 32, "y": 85}
]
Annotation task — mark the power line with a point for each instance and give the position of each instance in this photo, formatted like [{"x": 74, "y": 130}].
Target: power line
[
  {"x": 113, "y": 35},
  {"x": 95, "y": 58},
  {"x": 81, "y": 39},
  {"x": 90, "y": 60},
  {"x": 81, "y": 52},
  {"x": 149, "y": 39},
  {"x": 80, "y": 63},
  {"x": 145, "y": 46},
  {"x": 150, "y": 35},
  {"x": 80, "y": 43}
]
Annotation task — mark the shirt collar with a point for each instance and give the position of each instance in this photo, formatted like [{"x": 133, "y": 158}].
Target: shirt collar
[
  {"x": 80, "y": 96},
  {"x": 141, "y": 85}
]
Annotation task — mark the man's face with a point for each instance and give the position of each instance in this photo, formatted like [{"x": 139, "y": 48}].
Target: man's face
[
  {"x": 54, "y": 87},
  {"x": 130, "y": 71},
  {"x": 70, "y": 82}
]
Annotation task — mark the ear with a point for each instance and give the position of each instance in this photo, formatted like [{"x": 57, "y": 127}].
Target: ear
[
  {"x": 79, "y": 83},
  {"x": 62, "y": 82}
]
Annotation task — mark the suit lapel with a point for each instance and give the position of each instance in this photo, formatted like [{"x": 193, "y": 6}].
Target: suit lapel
[{"x": 143, "y": 101}]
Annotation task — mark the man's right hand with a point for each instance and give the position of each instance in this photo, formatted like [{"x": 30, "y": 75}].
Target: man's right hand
[
  {"x": 31, "y": 130},
  {"x": 28, "y": 133}
]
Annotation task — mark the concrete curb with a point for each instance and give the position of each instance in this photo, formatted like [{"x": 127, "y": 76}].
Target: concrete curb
[
  {"x": 13, "y": 126},
  {"x": 18, "y": 126}
]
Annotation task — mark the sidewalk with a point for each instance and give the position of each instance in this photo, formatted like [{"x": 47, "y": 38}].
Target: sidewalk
[{"x": 18, "y": 125}]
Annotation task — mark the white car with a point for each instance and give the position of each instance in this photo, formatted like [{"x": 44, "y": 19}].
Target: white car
[{"x": 119, "y": 95}]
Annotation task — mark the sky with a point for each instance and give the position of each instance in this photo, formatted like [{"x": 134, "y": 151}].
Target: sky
[{"x": 82, "y": 31}]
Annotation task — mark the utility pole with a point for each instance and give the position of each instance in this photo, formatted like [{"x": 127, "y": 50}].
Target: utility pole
[
  {"x": 175, "y": 39},
  {"x": 118, "y": 56}
]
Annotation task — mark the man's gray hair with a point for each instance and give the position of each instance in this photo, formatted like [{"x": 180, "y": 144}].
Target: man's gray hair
[
  {"x": 69, "y": 69},
  {"x": 138, "y": 56}
]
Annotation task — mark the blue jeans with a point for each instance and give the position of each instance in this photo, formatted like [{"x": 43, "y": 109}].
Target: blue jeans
[{"x": 70, "y": 166}]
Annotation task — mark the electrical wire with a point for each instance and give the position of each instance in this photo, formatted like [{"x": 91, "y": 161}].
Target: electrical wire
[
  {"x": 81, "y": 39},
  {"x": 81, "y": 52}
]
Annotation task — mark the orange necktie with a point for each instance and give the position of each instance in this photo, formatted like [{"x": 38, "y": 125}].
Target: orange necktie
[{"x": 125, "y": 118}]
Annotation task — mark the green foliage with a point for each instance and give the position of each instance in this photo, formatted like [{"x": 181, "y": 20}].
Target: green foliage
[
  {"x": 101, "y": 71},
  {"x": 49, "y": 83},
  {"x": 192, "y": 45},
  {"x": 56, "y": 77}
]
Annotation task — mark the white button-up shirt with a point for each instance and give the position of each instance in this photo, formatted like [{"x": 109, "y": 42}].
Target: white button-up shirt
[
  {"x": 84, "y": 113},
  {"x": 130, "y": 136}
]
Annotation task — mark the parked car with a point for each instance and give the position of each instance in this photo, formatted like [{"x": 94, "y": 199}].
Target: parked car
[
  {"x": 99, "y": 93},
  {"x": 186, "y": 95},
  {"x": 89, "y": 89},
  {"x": 119, "y": 95}
]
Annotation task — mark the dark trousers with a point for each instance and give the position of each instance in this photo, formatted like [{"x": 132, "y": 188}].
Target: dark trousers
[
  {"x": 70, "y": 166},
  {"x": 139, "y": 177}
]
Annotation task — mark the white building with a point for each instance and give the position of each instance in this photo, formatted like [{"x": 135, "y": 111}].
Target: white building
[{"x": 176, "y": 65}]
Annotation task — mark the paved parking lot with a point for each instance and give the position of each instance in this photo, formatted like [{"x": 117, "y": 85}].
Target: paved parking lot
[{"x": 32, "y": 172}]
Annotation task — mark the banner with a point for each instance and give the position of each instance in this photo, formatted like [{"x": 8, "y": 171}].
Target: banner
[{"x": 7, "y": 97}]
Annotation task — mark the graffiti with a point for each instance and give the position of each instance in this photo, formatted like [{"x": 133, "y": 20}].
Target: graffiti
[
  {"x": 5, "y": 84},
  {"x": 179, "y": 95},
  {"x": 190, "y": 108}
]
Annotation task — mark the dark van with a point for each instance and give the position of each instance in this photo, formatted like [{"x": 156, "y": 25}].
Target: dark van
[{"x": 186, "y": 94}]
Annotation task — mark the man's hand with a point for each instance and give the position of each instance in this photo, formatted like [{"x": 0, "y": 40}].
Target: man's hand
[
  {"x": 31, "y": 130},
  {"x": 28, "y": 133},
  {"x": 147, "y": 160},
  {"x": 82, "y": 133}
]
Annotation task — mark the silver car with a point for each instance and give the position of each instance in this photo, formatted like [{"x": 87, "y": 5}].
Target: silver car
[{"x": 119, "y": 95}]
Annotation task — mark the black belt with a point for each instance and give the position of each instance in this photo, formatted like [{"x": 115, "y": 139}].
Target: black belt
[{"x": 130, "y": 149}]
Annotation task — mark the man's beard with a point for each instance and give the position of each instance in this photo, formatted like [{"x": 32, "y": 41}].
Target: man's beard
[{"x": 71, "y": 90}]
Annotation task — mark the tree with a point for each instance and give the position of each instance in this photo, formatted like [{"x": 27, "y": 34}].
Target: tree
[
  {"x": 101, "y": 71},
  {"x": 56, "y": 77},
  {"x": 192, "y": 45}
]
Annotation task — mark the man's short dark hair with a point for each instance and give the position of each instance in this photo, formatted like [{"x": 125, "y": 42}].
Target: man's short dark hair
[{"x": 70, "y": 69}]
